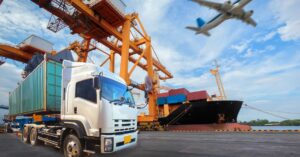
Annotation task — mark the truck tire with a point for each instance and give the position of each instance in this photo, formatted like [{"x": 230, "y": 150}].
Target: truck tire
[
  {"x": 72, "y": 146},
  {"x": 34, "y": 137},
  {"x": 25, "y": 134}
]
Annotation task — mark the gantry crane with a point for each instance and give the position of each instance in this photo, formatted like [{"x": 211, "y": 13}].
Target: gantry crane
[
  {"x": 102, "y": 24},
  {"x": 216, "y": 73}
]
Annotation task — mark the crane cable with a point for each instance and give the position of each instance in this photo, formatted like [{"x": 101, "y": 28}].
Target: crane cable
[
  {"x": 155, "y": 54},
  {"x": 266, "y": 112},
  {"x": 283, "y": 112}
]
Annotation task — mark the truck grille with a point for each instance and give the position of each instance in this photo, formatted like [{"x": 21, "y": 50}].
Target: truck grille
[{"x": 122, "y": 125}]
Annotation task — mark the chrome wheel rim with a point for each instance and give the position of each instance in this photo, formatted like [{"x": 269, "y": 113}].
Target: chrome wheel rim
[
  {"x": 25, "y": 134},
  {"x": 72, "y": 149},
  {"x": 33, "y": 136}
]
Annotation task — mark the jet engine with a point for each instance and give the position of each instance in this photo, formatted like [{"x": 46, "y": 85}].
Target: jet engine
[
  {"x": 227, "y": 5},
  {"x": 248, "y": 14}
]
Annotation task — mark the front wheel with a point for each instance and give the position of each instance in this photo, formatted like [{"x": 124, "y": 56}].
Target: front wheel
[{"x": 72, "y": 146}]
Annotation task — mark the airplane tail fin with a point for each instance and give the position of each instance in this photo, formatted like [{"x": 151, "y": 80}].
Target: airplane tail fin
[{"x": 200, "y": 22}]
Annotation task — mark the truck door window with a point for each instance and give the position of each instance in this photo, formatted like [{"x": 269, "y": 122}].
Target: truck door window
[{"x": 85, "y": 90}]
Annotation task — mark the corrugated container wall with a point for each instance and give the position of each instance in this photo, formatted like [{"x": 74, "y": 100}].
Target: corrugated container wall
[
  {"x": 179, "y": 91},
  {"x": 40, "y": 92},
  {"x": 198, "y": 95}
]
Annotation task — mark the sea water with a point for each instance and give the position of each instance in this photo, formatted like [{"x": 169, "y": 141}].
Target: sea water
[{"x": 275, "y": 127}]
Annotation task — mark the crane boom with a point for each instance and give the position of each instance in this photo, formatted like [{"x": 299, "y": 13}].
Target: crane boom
[{"x": 14, "y": 53}]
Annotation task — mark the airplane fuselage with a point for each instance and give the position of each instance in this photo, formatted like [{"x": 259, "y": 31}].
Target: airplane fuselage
[{"x": 213, "y": 23}]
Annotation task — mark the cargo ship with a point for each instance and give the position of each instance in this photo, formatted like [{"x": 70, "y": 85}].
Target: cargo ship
[{"x": 180, "y": 107}]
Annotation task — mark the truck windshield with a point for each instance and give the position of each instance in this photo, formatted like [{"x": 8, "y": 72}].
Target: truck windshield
[{"x": 114, "y": 91}]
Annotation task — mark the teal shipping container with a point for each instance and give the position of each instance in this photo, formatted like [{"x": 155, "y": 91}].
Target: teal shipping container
[{"x": 40, "y": 92}]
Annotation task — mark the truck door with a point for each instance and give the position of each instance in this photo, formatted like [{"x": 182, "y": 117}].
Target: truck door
[{"x": 85, "y": 104}]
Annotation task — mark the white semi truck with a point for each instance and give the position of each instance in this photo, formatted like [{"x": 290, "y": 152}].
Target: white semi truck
[{"x": 77, "y": 107}]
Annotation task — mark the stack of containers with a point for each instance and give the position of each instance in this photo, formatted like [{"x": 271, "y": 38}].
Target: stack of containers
[
  {"x": 197, "y": 95},
  {"x": 180, "y": 95},
  {"x": 177, "y": 96},
  {"x": 174, "y": 96}
]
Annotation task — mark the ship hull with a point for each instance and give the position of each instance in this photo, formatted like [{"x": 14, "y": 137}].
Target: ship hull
[{"x": 204, "y": 112}]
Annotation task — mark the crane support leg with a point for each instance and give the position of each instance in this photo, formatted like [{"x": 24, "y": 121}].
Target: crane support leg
[{"x": 125, "y": 51}]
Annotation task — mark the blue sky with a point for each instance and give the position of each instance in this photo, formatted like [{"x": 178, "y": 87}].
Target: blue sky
[{"x": 260, "y": 66}]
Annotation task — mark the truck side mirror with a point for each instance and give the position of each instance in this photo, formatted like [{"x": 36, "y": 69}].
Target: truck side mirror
[{"x": 96, "y": 83}]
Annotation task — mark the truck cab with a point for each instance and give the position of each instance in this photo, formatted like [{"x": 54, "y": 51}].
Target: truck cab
[
  {"x": 76, "y": 107},
  {"x": 98, "y": 104}
]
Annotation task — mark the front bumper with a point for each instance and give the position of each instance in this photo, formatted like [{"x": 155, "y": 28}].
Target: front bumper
[{"x": 119, "y": 141}]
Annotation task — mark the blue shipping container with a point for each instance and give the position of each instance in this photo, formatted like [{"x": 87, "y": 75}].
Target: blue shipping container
[
  {"x": 174, "y": 99},
  {"x": 161, "y": 101}
]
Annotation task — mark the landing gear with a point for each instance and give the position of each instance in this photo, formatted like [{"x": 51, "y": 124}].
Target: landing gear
[{"x": 72, "y": 147}]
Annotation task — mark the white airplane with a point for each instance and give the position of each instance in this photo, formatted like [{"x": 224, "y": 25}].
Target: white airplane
[{"x": 227, "y": 11}]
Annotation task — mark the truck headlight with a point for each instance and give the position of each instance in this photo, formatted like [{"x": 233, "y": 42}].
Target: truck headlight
[{"x": 108, "y": 144}]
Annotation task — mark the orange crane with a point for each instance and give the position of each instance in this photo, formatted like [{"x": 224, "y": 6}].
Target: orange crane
[
  {"x": 216, "y": 73},
  {"x": 122, "y": 34}
]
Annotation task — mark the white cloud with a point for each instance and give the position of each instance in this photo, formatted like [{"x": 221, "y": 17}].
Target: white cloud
[
  {"x": 267, "y": 77},
  {"x": 267, "y": 37},
  {"x": 249, "y": 53},
  {"x": 291, "y": 31},
  {"x": 26, "y": 19},
  {"x": 241, "y": 47},
  {"x": 152, "y": 12},
  {"x": 255, "y": 52},
  {"x": 287, "y": 14},
  {"x": 10, "y": 76},
  {"x": 265, "y": 83},
  {"x": 3, "y": 41}
]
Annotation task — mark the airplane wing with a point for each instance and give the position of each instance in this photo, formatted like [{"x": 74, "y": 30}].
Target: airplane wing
[
  {"x": 211, "y": 5},
  {"x": 250, "y": 21}
]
